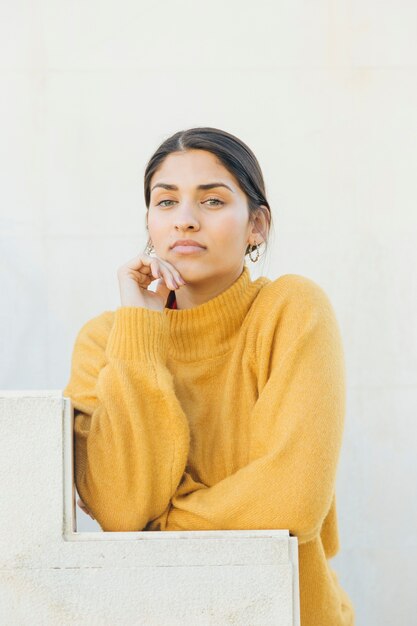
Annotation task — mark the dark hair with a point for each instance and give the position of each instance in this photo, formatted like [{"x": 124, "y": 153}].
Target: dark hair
[{"x": 233, "y": 153}]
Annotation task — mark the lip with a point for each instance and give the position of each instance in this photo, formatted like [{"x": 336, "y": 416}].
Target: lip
[
  {"x": 188, "y": 249},
  {"x": 187, "y": 242}
]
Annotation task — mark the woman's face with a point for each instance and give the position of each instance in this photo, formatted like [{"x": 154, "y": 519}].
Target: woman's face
[{"x": 217, "y": 218}]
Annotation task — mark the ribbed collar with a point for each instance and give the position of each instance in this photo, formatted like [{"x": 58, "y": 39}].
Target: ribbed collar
[{"x": 208, "y": 329}]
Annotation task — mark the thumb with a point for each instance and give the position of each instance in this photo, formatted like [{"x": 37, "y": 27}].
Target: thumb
[{"x": 162, "y": 290}]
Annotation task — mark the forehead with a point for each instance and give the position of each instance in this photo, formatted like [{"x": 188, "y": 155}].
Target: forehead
[{"x": 191, "y": 168}]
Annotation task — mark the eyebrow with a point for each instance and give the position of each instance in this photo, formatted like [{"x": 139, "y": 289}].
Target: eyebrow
[{"x": 205, "y": 186}]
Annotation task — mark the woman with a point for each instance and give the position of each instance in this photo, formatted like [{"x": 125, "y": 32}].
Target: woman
[{"x": 215, "y": 401}]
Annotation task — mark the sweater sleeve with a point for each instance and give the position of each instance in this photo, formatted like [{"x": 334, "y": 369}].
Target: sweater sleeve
[
  {"x": 296, "y": 430},
  {"x": 131, "y": 434}
]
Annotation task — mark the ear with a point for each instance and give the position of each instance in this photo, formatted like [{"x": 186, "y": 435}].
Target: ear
[{"x": 260, "y": 222}]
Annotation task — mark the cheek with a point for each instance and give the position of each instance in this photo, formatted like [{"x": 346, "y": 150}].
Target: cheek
[
  {"x": 156, "y": 228},
  {"x": 230, "y": 229}
]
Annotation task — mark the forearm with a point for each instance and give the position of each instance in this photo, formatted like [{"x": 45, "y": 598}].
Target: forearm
[{"x": 131, "y": 449}]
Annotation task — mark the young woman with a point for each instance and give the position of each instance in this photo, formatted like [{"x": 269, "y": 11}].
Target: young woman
[{"x": 215, "y": 401}]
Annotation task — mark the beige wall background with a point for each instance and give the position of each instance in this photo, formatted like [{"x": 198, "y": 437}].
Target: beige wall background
[{"x": 325, "y": 94}]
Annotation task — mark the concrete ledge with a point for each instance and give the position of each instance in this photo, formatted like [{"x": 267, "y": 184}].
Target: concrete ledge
[{"x": 52, "y": 574}]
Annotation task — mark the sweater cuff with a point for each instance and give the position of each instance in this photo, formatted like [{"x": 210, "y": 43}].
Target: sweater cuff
[{"x": 138, "y": 334}]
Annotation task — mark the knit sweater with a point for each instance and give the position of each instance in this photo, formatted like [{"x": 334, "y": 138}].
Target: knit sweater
[{"x": 227, "y": 415}]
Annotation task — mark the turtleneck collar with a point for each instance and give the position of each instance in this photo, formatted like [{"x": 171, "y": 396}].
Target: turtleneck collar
[{"x": 208, "y": 329}]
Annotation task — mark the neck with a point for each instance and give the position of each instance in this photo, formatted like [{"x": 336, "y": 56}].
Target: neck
[
  {"x": 209, "y": 329},
  {"x": 190, "y": 296}
]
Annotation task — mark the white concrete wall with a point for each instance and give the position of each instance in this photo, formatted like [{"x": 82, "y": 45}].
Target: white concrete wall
[
  {"x": 51, "y": 574},
  {"x": 325, "y": 93}
]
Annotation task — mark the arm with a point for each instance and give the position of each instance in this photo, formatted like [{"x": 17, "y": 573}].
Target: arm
[
  {"x": 297, "y": 424},
  {"x": 131, "y": 434}
]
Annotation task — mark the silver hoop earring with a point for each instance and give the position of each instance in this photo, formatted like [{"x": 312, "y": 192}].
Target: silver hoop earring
[
  {"x": 257, "y": 253},
  {"x": 149, "y": 247}
]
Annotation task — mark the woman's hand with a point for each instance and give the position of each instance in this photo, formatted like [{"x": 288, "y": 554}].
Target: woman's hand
[
  {"x": 136, "y": 275},
  {"x": 84, "y": 508}
]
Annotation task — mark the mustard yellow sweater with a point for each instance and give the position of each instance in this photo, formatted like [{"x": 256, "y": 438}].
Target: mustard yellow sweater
[{"x": 228, "y": 415}]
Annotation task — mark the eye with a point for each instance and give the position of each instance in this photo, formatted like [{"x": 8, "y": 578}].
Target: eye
[
  {"x": 215, "y": 200},
  {"x": 208, "y": 200}
]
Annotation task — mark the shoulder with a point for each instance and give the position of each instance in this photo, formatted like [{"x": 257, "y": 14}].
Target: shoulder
[
  {"x": 295, "y": 291},
  {"x": 94, "y": 333},
  {"x": 88, "y": 358},
  {"x": 296, "y": 314},
  {"x": 292, "y": 306}
]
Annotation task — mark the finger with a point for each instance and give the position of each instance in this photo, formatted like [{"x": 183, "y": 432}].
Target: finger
[
  {"x": 154, "y": 268},
  {"x": 149, "y": 273},
  {"x": 137, "y": 263},
  {"x": 177, "y": 276},
  {"x": 143, "y": 263},
  {"x": 162, "y": 290},
  {"x": 143, "y": 267},
  {"x": 143, "y": 275},
  {"x": 84, "y": 508},
  {"x": 168, "y": 277}
]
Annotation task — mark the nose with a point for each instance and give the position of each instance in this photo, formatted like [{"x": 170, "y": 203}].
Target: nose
[{"x": 185, "y": 218}]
